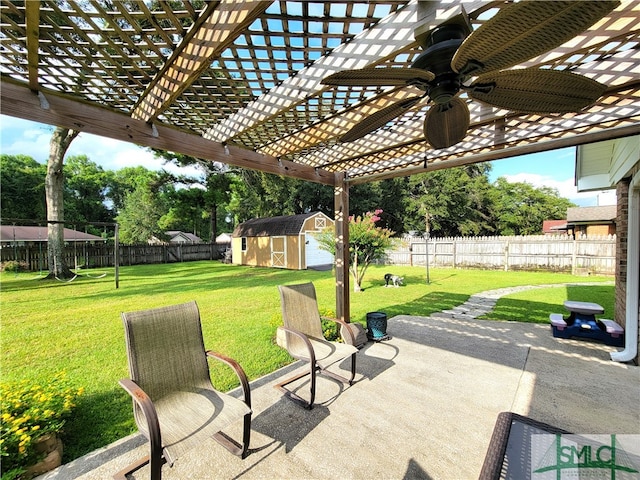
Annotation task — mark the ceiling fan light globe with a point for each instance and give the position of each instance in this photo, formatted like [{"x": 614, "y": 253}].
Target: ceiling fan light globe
[{"x": 446, "y": 125}]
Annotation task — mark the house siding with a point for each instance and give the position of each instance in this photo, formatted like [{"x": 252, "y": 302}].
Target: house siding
[{"x": 600, "y": 230}]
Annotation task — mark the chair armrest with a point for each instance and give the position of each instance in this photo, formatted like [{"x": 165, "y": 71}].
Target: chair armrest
[
  {"x": 346, "y": 329},
  {"x": 145, "y": 404},
  {"x": 244, "y": 383},
  {"x": 303, "y": 337}
]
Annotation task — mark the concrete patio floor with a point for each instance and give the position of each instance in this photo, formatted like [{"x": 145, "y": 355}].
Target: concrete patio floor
[{"x": 423, "y": 407}]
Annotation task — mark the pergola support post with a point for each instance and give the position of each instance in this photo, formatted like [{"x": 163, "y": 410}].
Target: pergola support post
[{"x": 341, "y": 216}]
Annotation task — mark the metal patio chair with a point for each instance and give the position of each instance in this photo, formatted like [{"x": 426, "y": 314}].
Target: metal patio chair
[
  {"x": 302, "y": 337},
  {"x": 175, "y": 405}
]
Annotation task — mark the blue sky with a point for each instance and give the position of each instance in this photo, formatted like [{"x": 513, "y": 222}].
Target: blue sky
[{"x": 554, "y": 169}]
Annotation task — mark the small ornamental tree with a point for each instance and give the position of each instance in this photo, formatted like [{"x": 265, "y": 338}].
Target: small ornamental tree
[{"x": 367, "y": 243}]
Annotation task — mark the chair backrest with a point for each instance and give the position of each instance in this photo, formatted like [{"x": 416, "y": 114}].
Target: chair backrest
[
  {"x": 165, "y": 349},
  {"x": 300, "y": 309}
]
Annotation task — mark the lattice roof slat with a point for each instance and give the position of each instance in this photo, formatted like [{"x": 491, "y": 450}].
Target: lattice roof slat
[{"x": 260, "y": 90}]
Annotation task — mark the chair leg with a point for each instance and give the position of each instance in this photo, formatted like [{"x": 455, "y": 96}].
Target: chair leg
[
  {"x": 156, "y": 468},
  {"x": 246, "y": 435},
  {"x": 295, "y": 397},
  {"x": 353, "y": 369},
  {"x": 233, "y": 446}
]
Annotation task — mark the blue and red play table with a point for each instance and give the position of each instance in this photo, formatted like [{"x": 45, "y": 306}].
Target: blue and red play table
[{"x": 582, "y": 322}]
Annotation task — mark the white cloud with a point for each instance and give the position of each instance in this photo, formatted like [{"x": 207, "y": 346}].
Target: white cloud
[
  {"x": 22, "y": 137},
  {"x": 566, "y": 188}
]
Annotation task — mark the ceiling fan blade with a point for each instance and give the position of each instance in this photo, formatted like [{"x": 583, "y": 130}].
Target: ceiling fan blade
[
  {"x": 379, "y": 77},
  {"x": 523, "y": 30},
  {"x": 537, "y": 91},
  {"x": 446, "y": 125},
  {"x": 379, "y": 119}
]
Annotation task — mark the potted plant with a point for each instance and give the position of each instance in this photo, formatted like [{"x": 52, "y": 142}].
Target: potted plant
[{"x": 33, "y": 416}]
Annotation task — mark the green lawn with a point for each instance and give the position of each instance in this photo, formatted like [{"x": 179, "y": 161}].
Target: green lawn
[
  {"x": 535, "y": 305},
  {"x": 50, "y": 326}
]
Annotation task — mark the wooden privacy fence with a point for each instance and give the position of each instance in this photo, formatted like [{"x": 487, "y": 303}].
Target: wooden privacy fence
[
  {"x": 102, "y": 255},
  {"x": 561, "y": 253},
  {"x": 592, "y": 255}
]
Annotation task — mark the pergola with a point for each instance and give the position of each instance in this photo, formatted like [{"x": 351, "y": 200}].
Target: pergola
[{"x": 240, "y": 82}]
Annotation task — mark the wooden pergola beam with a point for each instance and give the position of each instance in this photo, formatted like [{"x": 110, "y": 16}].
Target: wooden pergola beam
[
  {"x": 32, "y": 9},
  {"x": 215, "y": 29},
  {"x": 53, "y": 109}
]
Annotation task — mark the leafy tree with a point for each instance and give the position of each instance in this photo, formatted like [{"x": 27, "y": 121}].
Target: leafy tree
[
  {"x": 22, "y": 193},
  {"x": 455, "y": 201},
  {"x": 216, "y": 181},
  {"x": 256, "y": 194},
  {"x": 520, "y": 208},
  {"x": 245, "y": 194},
  {"x": 139, "y": 219},
  {"x": 54, "y": 189},
  {"x": 186, "y": 211},
  {"x": 387, "y": 195},
  {"x": 367, "y": 243},
  {"x": 86, "y": 186},
  {"x": 125, "y": 181},
  {"x": 290, "y": 196}
]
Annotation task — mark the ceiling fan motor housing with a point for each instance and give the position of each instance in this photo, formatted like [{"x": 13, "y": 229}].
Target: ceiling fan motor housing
[{"x": 441, "y": 44}]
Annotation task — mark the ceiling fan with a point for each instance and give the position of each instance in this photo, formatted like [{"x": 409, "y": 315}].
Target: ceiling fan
[{"x": 457, "y": 59}]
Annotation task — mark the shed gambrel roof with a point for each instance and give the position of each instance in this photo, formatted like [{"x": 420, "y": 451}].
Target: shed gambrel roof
[{"x": 273, "y": 226}]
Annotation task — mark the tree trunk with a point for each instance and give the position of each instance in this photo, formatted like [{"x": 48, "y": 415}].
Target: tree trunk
[
  {"x": 213, "y": 223},
  {"x": 54, "y": 189},
  {"x": 354, "y": 274}
]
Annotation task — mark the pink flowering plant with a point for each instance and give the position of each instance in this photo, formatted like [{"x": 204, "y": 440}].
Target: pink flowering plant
[
  {"x": 28, "y": 412},
  {"x": 367, "y": 243}
]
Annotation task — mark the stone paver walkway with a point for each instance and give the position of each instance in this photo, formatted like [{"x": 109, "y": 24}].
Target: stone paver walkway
[{"x": 483, "y": 302}]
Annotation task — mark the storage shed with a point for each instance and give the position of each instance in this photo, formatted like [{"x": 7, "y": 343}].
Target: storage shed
[{"x": 284, "y": 242}]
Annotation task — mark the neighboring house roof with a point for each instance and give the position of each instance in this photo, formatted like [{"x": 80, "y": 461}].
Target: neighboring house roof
[
  {"x": 18, "y": 233},
  {"x": 178, "y": 236},
  {"x": 554, "y": 226},
  {"x": 223, "y": 238},
  {"x": 605, "y": 214},
  {"x": 273, "y": 226}
]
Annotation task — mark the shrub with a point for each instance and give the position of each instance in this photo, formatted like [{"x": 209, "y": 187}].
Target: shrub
[
  {"x": 29, "y": 411},
  {"x": 367, "y": 243},
  {"x": 330, "y": 330},
  {"x": 13, "y": 266}
]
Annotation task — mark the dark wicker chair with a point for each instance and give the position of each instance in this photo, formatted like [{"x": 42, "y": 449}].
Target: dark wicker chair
[
  {"x": 175, "y": 405},
  {"x": 302, "y": 337}
]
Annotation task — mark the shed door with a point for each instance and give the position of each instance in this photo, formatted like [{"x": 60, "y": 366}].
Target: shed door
[
  {"x": 314, "y": 255},
  {"x": 278, "y": 252}
]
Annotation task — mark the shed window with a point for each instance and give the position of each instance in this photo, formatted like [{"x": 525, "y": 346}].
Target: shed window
[
  {"x": 321, "y": 223},
  {"x": 244, "y": 244}
]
